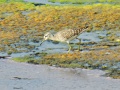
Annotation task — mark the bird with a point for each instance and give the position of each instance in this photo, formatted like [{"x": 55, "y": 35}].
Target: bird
[{"x": 64, "y": 36}]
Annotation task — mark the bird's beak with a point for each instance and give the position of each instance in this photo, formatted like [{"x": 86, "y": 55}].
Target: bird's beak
[{"x": 42, "y": 42}]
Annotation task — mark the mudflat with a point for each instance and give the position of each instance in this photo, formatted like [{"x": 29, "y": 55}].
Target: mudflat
[{"x": 23, "y": 76}]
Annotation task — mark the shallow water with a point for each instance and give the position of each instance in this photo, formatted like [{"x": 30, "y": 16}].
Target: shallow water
[
  {"x": 25, "y": 76},
  {"x": 85, "y": 37},
  {"x": 43, "y": 2},
  {"x": 51, "y": 47}
]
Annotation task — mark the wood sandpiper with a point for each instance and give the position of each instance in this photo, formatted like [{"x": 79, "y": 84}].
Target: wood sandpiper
[{"x": 64, "y": 36}]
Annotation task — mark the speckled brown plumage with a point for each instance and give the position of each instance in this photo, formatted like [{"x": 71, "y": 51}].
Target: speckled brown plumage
[{"x": 69, "y": 34}]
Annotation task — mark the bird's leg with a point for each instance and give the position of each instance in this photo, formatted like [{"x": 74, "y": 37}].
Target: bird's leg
[
  {"x": 69, "y": 46},
  {"x": 79, "y": 43}
]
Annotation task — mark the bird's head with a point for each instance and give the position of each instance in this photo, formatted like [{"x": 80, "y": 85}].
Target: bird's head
[{"x": 47, "y": 36}]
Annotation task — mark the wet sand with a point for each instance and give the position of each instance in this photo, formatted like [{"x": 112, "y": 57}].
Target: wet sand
[{"x": 23, "y": 76}]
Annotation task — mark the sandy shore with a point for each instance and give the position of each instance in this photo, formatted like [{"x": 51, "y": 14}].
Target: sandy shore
[{"x": 23, "y": 76}]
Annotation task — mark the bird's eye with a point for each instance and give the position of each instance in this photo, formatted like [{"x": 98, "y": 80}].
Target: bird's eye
[{"x": 45, "y": 36}]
